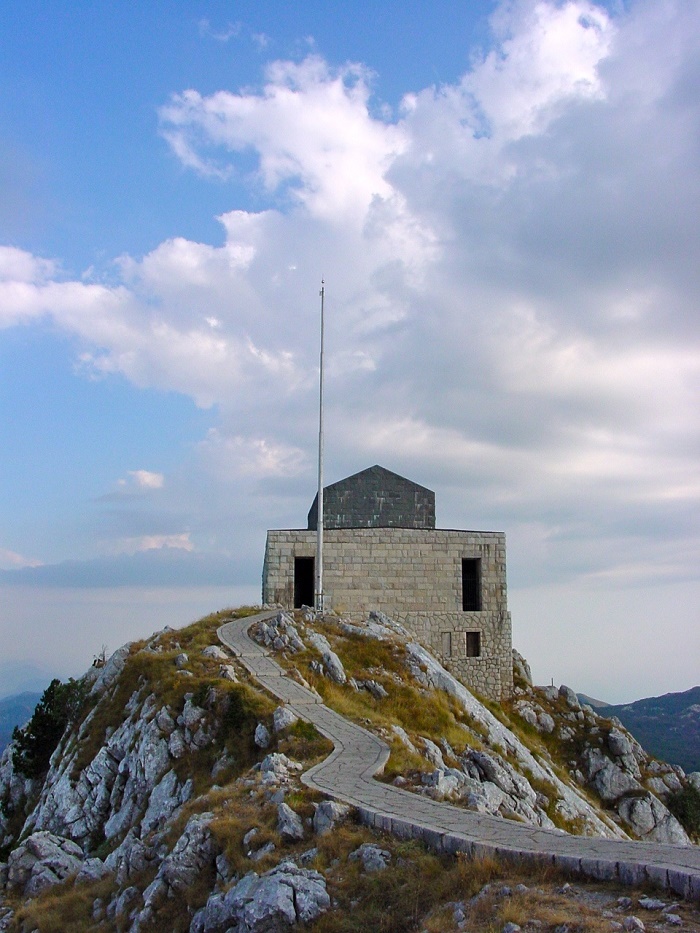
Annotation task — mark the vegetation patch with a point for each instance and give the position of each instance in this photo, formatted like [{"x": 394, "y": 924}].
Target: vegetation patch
[
  {"x": 60, "y": 706},
  {"x": 685, "y": 806}
]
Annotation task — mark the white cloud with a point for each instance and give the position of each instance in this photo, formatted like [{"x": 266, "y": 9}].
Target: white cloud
[
  {"x": 310, "y": 127},
  {"x": 232, "y": 458},
  {"x": 139, "y": 543},
  {"x": 144, "y": 479},
  {"x": 10, "y": 560},
  {"x": 548, "y": 56},
  {"x": 16, "y": 266},
  {"x": 230, "y": 31}
]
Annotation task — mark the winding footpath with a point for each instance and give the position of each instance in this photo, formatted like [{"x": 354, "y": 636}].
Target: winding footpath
[{"x": 348, "y": 775}]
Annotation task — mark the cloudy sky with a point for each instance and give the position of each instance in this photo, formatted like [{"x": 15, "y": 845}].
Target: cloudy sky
[{"x": 504, "y": 200}]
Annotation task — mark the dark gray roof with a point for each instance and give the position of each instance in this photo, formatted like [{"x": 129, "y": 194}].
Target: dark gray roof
[{"x": 375, "y": 498}]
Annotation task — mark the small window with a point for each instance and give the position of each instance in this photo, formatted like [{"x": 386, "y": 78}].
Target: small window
[
  {"x": 473, "y": 644},
  {"x": 471, "y": 584}
]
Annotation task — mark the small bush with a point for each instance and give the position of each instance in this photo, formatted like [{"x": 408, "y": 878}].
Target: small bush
[{"x": 685, "y": 806}]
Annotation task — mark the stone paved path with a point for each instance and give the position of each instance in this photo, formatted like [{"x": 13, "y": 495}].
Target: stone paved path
[{"x": 347, "y": 775}]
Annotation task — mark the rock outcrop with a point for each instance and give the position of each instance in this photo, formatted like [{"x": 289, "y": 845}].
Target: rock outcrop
[{"x": 280, "y": 898}]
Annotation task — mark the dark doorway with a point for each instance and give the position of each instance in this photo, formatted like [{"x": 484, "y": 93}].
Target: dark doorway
[
  {"x": 471, "y": 584},
  {"x": 473, "y": 644},
  {"x": 304, "y": 581}
]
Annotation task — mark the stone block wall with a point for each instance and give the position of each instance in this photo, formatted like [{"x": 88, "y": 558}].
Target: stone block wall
[{"x": 415, "y": 577}]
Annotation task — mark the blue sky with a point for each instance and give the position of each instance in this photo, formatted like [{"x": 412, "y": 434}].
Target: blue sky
[{"x": 503, "y": 199}]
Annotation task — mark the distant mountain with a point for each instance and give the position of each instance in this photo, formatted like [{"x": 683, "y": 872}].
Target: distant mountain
[
  {"x": 591, "y": 701},
  {"x": 667, "y": 726},
  {"x": 21, "y": 677},
  {"x": 15, "y": 711}
]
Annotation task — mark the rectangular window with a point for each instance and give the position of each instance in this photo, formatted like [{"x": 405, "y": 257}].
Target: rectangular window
[
  {"x": 471, "y": 584},
  {"x": 304, "y": 582},
  {"x": 473, "y": 644},
  {"x": 446, "y": 644}
]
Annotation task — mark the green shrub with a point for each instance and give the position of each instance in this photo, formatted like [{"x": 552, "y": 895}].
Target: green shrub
[
  {"x": 685, "y": 806},
  {"x": 59, "y": 706}
]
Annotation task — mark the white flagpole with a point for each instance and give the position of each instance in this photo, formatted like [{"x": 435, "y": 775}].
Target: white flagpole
[{"x": 319, "y": 596}]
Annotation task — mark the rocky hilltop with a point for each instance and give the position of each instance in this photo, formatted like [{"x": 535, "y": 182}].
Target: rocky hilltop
[{"x": 163, "y": 792}]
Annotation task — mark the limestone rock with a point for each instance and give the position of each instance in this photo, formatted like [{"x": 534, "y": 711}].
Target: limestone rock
[
  {"x": 165, "y": 722},
  {"x": 521, "y": 668},
  {"x": 275, "y": 768},
  {"x": 282, "y": 718},
  {"x": 327, "y": 814},
  {"x": 259, "y": 854},
  {"x": 194, "y": 851},
  {"x": 215, "y": 652},
  {"x": 527, "y": 712},
  {"x": 571, "y": 804},
  {"x": 651, "y": 903},
  {"x": 176, "y": 745},
  {"x": 449, "y": 784},
  {"x": 569, "y": 695},
  {"x": 694, "y": 779},
  {"x": 402, "y": 735},
  {"x": 262, "y": 736},
  {"x": 166, "y": 797},
  {"x": 545, "y": 723},
  {"x": 40, "y": 861},
  {"x": 280, "y": 633},
  {"x": 372, "y": 857},
  {"x": 433, "y": 753},
  {"x": 651, "y": 821},
  {"x": 618, "y": 743},
  {"x": 289, "y": 824},
  {"x": 111, "y": 670},
  {"x": 131, "y": 857},
  {"x": 92, "y": 869},
  {"x": 609, "y": 780},
  {"x": 191, "y": 715},
  {"x": 282, "y": 897},
  {"x": 332, "y": 665}
]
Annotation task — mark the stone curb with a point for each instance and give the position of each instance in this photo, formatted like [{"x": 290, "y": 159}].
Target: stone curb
[{"x": 358, "y": 755}]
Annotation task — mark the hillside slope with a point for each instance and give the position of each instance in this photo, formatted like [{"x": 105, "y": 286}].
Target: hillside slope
[
  {"x": 668, "y": 726},
  {"x": 173, "y": 800}
]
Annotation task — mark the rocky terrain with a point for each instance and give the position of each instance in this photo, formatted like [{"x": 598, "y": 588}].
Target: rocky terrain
[
  {"x": 668, "y": 726},
  {"x": 173, "y": 799}
]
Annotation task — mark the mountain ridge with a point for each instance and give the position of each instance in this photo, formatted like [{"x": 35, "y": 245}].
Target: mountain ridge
[{"x": 668, "y": 726}]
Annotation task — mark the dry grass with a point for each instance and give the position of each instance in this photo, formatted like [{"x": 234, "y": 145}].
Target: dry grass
[
  {"x": 303, "y": 742},
  {"x": 551, "y": 910},
  {"x": 403, "y": 762},
  {"x": 63, "y": 908},
  {"x": 399, "y": 898}
]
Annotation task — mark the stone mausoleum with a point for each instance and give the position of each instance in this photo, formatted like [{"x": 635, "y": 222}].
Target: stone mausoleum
[{"x": 383, "y": 552}]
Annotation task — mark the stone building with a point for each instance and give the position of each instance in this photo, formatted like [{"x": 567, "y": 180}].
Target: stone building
[{"x": 383, "y": 552}]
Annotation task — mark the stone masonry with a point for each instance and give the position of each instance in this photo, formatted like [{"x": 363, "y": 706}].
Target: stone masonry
[{"x": 415, "y": 577}]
